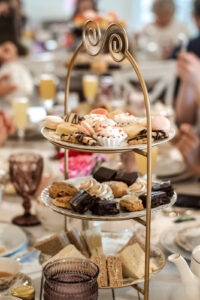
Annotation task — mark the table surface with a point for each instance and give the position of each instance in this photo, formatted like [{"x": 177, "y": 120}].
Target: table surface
[{"x": 167, "y": 282}]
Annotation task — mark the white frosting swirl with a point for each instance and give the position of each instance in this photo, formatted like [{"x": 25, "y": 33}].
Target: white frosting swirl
[
  {"x": 87, "y": 185},
  {"x": 124, "y": 119},
  {"x": 97, "y": 189},
  {"x": 94, "y": 119},
  {"x": 106, "y": 130},
  {"x": 138, "y": 188}
]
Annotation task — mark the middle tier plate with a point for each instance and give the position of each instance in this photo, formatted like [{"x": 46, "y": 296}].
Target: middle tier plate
[
  {"x": 53, "y": 138},
  {"x": 123, "y": 215}
]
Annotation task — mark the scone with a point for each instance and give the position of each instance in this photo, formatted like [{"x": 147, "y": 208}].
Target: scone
[
  {"x": 63, "y": 202},
  {"x": 131, "y": 203},
  {"x": 62, "y": 189},
  {"x": 66, "y": 128},
  {"x": 118, "y": 188},
  {"x": 52, "y": 122}
]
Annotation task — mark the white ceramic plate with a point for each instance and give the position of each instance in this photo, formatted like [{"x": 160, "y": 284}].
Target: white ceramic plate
[
  {"x": 12, "y": 238},
  {"x": 52, "y": 137},
  {"x": 123, "y": 215},
  {"x": 188, "y": 238},
  {"x": 167, "y": 240}
]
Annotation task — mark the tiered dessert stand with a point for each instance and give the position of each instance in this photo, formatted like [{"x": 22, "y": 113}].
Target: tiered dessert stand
[{"x": 118, "y": 48}]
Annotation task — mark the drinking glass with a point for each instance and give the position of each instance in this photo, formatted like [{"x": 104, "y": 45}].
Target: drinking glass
[
  {"x": 71, "y": 278},
  {"x": 47, "y": 89},
  {"x": 90, "y": 87},
  {"x": 20, "y": 115},
  {"x": 25, "y": 173},
  {"x": 141, "y": 161}
]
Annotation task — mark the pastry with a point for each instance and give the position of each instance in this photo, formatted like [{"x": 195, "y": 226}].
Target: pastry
[
  {"x": 52, "y": 245},
  {"x": 73, "y": 118},
  {"x": 61, "y": 189},
  {"x": 94, "y": 241},
  {"x": 104, "y": 208},
  {"x": 157, "y": 199},
  {"x": 94, "y": 188},
  {"x": 86, "y": 128},
  {"x": 62, "y": 202},
  {"x": 139, "y": 187},
  {"x": 84, "y": 139},
  {"x": 131, "y": 203},
  {"x": 66, "y": 128},
  {"x": 94, "y": 119},
  {"x": 141, "y": 138},
  {"x": 124, "y": 119},
  {"x": 69, "y": 138},
  {"x": 119, "y": 188},
  {"x": 128, "y": 178},
  {"x": 99, "y": 111},
  {"x": 133, "y": 261},
  {"x": 104, "y": 174},
  {"x": 160, "y": 123},
  {"x": 69, "y": 251},
  {"x": 82, "y": 202},
  {"x": 52, "y": 122},
  {"x": 76, "y": 238},
  {"x": 100, "y": 261},
  {"x": 133, "y": 131},
  {"x": 165, "y": 186},
  {"x": 108, "y": 134},
  {"x": 114, "y": 267}
]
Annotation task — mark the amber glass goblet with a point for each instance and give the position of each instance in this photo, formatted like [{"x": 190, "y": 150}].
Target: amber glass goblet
[
  {"x": 71, "y": 278},
  {"x": 25, "y": 173}
]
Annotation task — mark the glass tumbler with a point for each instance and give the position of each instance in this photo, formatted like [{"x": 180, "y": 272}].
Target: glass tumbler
[{"x": 71, "y": 279}]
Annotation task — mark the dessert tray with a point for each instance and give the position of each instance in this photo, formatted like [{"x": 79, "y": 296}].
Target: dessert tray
[
  {"x": 123, "y": 215},
  {"x": 112, "y": 243},
  {"x": 53, "y": 138}
]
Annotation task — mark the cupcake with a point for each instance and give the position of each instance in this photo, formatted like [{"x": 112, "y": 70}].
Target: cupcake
[
  {"x": 94, "y": 119},
  {"x": 124, "y": 119},
  {"x": 108, "y": 134}
]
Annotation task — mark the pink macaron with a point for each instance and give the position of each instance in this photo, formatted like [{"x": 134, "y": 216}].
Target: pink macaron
[
  {"x": 85, "y": 128},
  {"x": 160, "y": 123}
]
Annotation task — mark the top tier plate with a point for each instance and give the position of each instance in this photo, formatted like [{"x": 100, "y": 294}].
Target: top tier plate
[{"x": 53, "y": 138}]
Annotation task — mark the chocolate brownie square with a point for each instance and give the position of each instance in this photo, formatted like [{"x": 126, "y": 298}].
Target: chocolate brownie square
[
  {"x": 128, "y": 178},
  {"x": 157, "y": 199},
  {"x": 104, "y": 174},
  {"x": 82, "y": 202}
]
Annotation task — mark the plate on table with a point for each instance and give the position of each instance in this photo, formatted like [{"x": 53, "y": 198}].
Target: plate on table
[
  {"x": 12, "y": 238},
  {"x": 112, "y": 243},
  {"x": 167, "y": 240},
  {"x": 52, "y": 137},
  {"x": 22, "y": 279},
  {"x": 188, "y": 238},
  {"x": 123, "y": 215}
]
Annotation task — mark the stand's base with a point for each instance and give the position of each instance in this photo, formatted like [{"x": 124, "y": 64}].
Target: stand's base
[{"x": 26, "y": 220}]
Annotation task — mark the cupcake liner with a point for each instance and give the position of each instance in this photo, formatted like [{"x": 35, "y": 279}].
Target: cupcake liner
[{"x": 110, "y": 142}]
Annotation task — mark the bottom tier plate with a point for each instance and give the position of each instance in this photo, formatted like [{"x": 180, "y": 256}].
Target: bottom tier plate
[
  {"x": 112, "y": 244},
  {"x": 123, "y": 215}
]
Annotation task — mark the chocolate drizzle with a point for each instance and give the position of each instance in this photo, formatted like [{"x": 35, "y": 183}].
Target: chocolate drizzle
[{"x": 156, "y": 135}]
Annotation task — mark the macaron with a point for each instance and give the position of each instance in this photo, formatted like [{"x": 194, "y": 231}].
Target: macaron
[
  {"x": 160, "y": 123},
  {"x": 52, "y": 122},
  {"x": 99, "y": 111}
]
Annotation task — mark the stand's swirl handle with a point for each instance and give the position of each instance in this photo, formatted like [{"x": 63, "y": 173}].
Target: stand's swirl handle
[{"x": 117, "y": 44}]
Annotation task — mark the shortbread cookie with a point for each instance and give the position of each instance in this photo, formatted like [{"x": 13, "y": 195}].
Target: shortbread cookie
[
  {"x": 52, "y": 122},
  {"x": 131, "y": 203},
  {"x": 84, "y": 139},
  {"x": 62, "y": 189},
  {"x": 118, "y": 188},
  {"x": 133, "y": 130},
  {"x": 63, "y": 202},
  {"x": 69, "y": 138},
  {"x": 66, "y": 128}
]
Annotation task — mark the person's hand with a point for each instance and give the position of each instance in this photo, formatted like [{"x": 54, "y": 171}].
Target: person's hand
[
  {"x": 8, "y": 52},
  {"x": 5, "y": 88},
  {"x": 6, "y": 126},
  {"x": 189, "y": 146},
  {"x": 188, "y": 68}
]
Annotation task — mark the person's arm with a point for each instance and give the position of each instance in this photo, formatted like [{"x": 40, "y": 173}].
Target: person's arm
[
  {"x": 186, "y": 105},
  {"x": 5, "y": 88}
]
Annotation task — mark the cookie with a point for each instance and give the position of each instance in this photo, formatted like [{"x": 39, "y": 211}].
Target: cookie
[
  {"x": 118, "y": 188},
  {"x": 84, "y": 139},
  {"x": 137, "y": 141},
  {"x": 131, "y": 203},
  {"x": 63, "y": 202},
  {"x": 73, "y": 118},
  {"x": 68, "y": 138},
  {"x": 51, "y": 122},
  {"x": 62, "y": 189},
  {"x": 133, "y": 130},
  {"x": 66, "y": 128}
]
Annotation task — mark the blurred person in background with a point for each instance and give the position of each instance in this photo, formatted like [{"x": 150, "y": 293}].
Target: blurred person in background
[
  {"x": 162, "y": 35},
  {"x": 6, "y": 127},
  {"x": 83, "y": 6},
  {"x": 11, "y": 23}
]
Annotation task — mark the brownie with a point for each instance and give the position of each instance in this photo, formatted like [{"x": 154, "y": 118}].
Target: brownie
[
  {"x": 128, "y": 178},
  {"x": 82, "y": 202},
  {"x": 157, "y": 199},
  {"x": 104, "y": 174},
  {"x": 104, "y": 207},
  {"x": 165, "y": 186}
]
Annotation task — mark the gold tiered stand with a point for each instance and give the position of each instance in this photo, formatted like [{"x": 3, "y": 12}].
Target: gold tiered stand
[{"x": 118, "y": 48}]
